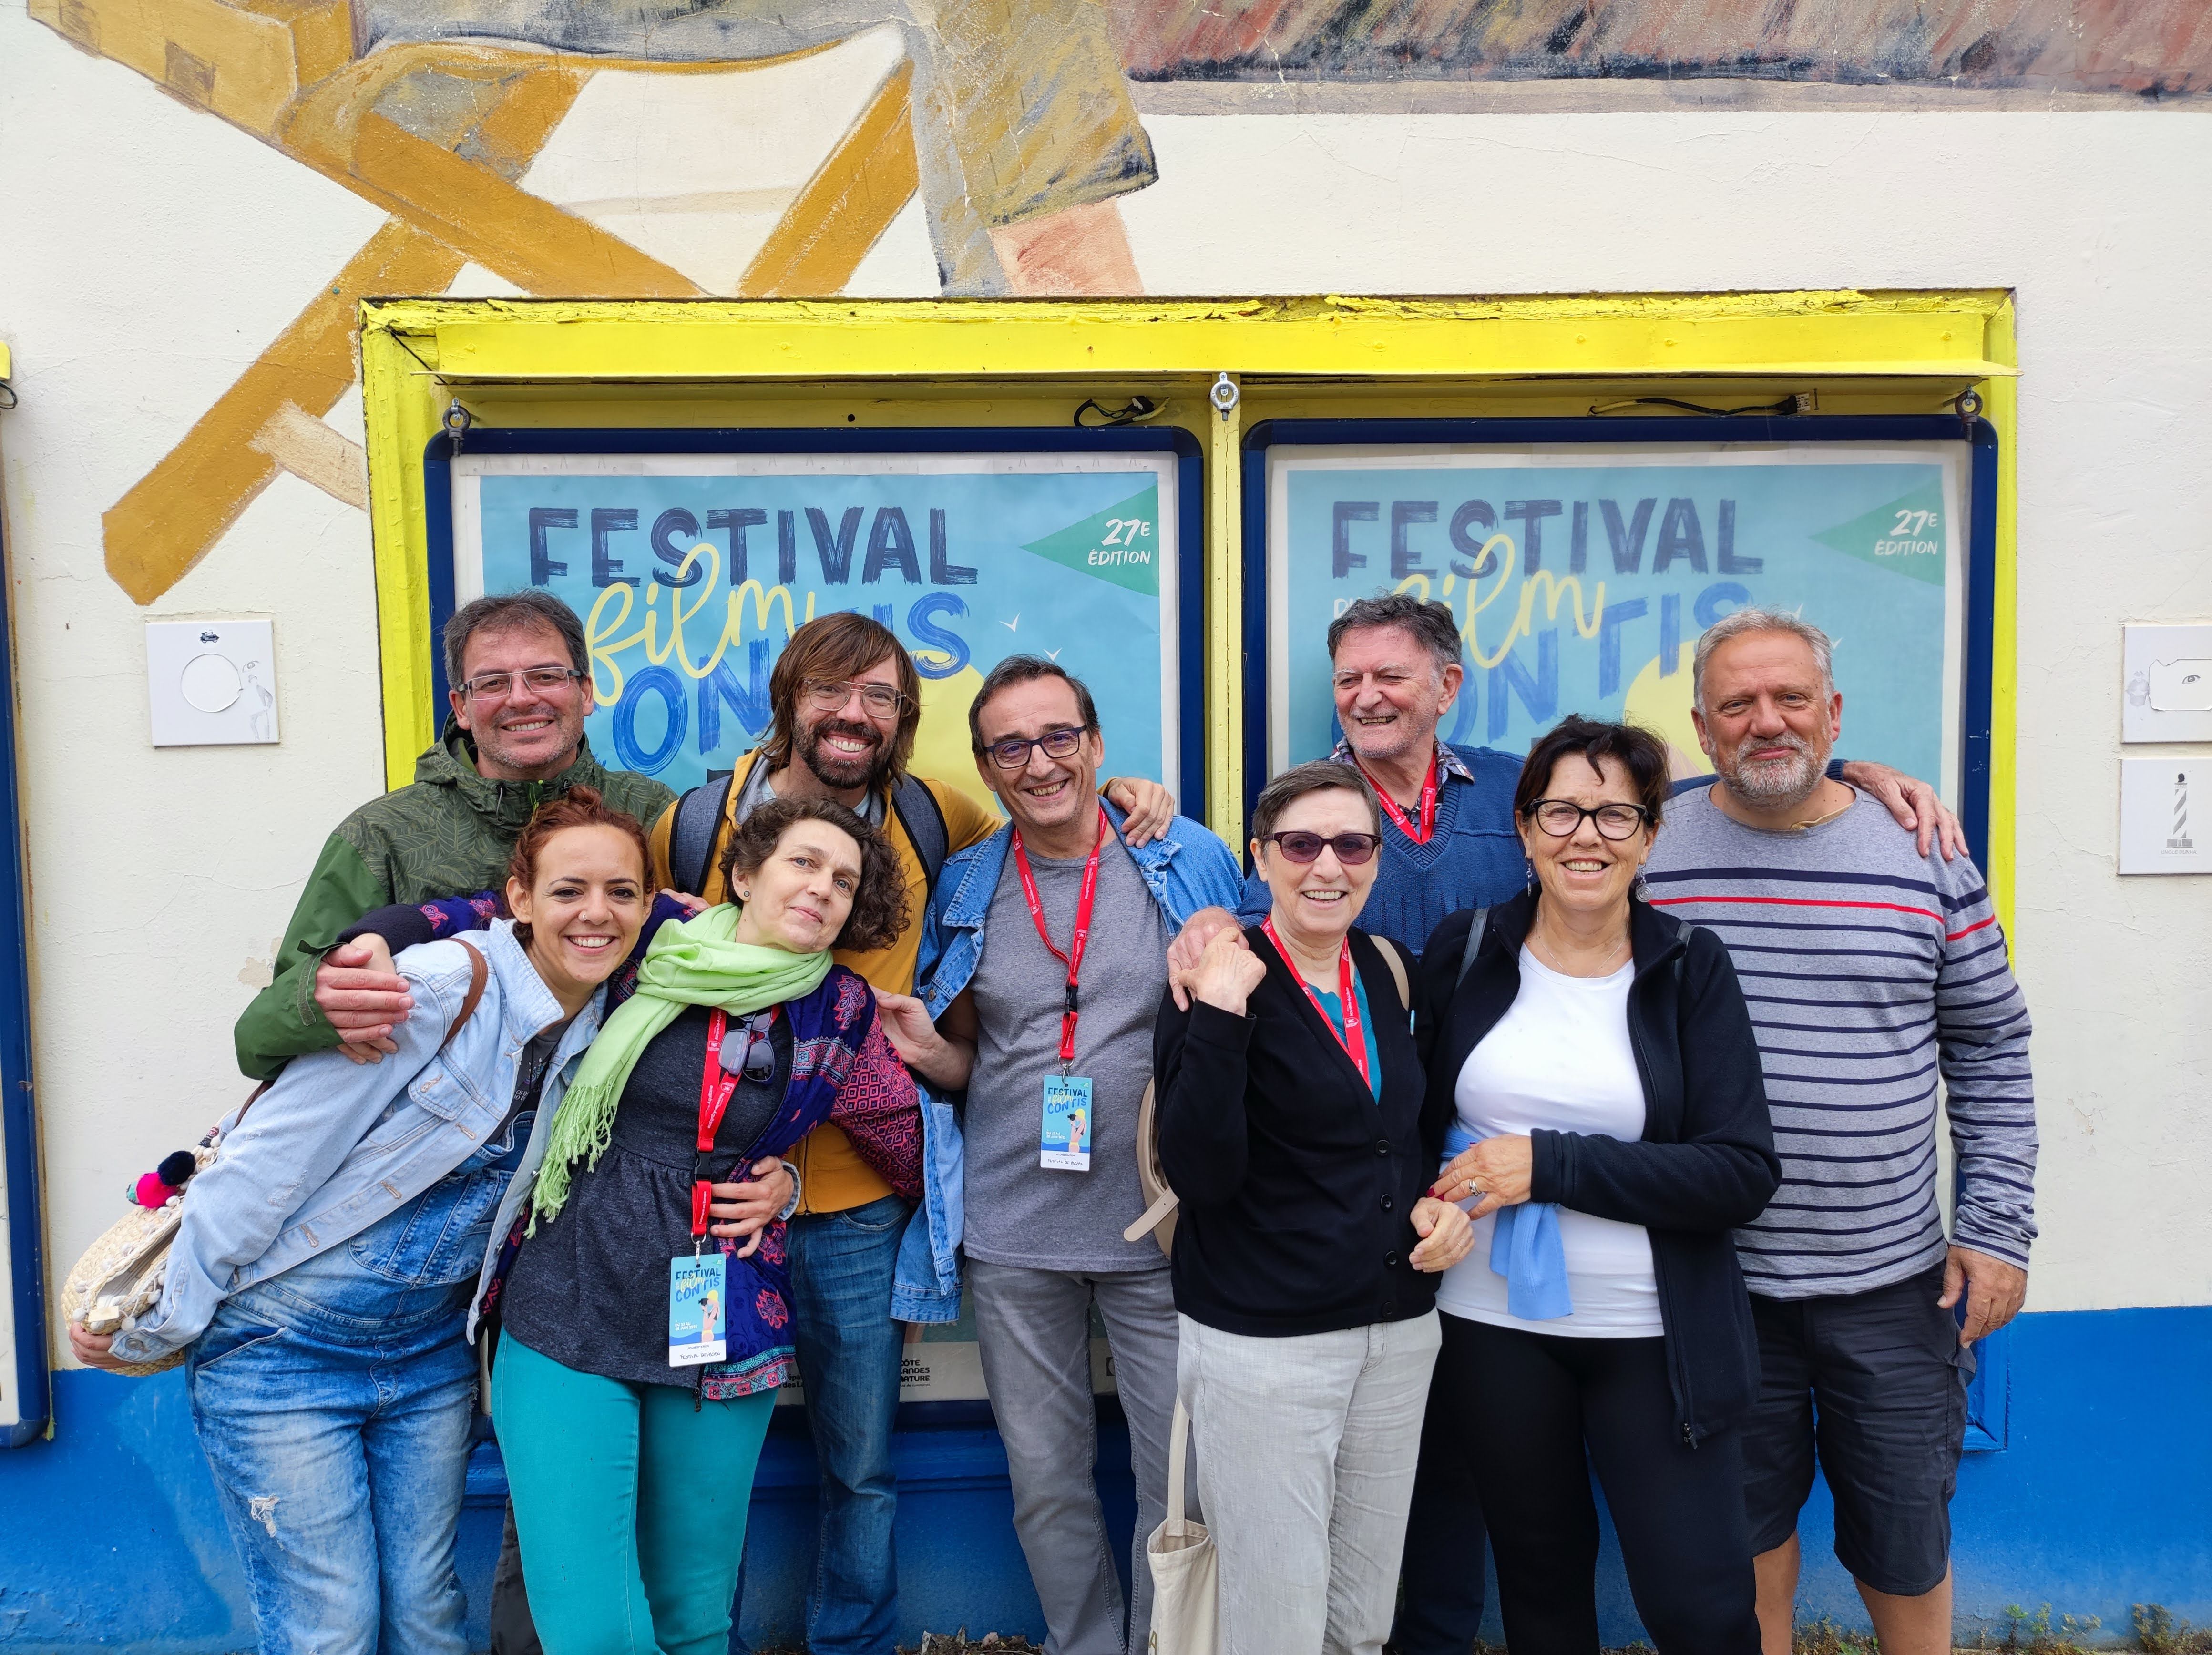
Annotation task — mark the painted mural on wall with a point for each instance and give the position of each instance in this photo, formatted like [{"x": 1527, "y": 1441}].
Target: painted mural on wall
[{"x": 804, "y": 135}]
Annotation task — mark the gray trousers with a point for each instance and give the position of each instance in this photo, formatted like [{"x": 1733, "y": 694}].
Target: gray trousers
[
  {"x": 1033, "y": 1327},
  {"x": 1306, "y": 1464}
]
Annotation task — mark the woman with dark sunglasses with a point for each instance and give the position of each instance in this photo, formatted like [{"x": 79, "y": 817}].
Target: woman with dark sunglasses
[
  {"x": 1592, "y": 1072},
  {"x": 1306, "y": 1255}
]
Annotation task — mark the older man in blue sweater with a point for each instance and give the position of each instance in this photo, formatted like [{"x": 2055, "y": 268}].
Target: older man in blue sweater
[{"x": 1449, "y": 843}]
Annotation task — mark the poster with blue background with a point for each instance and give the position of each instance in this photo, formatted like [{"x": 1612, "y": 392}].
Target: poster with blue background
[
  {"x": 1581, "y": 574},
  {"x": 691, "y": 570}
]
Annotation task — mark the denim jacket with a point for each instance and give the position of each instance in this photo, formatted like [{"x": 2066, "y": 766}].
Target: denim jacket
[
  {"x": 1186, "y": 870},
  {"x": 332, "y": 1146}
]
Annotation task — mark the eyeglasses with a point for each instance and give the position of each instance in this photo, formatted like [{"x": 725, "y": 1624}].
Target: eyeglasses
[
  {"x": 496, "y": 686},
  {"x": 828, "y": 695},
  {"x": 756, "y": 1058},
  {"x": 1013, "y": 754},
  {"x": 1351, "y": 849},
  {"x": 1562, "y": 817}
]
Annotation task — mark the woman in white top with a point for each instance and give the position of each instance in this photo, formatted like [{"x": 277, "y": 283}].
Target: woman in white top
[{"x": 1593, "y": 1079}]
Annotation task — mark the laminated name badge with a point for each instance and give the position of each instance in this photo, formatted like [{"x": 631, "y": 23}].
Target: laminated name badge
[
  {"x": 697, "y": 1332},
  {"x": 1066, "y": 1143}
]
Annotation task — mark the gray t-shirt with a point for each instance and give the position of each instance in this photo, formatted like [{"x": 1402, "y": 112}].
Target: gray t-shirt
[{"x": 1019, "y": 1213}]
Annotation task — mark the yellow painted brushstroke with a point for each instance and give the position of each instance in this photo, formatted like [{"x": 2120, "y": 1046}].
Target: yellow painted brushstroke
[
  {"x": 173, "y": 515},
  {"x": 851, "y": 200}
]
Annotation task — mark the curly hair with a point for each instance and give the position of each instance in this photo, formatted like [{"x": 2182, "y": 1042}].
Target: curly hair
[
  {"x": 878, "y": 913},
  {"x": 580, "y": 807}
]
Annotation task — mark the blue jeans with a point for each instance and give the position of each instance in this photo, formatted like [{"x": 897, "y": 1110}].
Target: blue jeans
[
  {"x": 841, "y": 1265},
  {"x": 335, "y": 1411}
]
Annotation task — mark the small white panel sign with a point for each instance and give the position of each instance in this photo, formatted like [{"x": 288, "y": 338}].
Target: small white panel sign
[
  {"x": 2166, "y": 816},
  {"x": 2167, "y": 671},
  {"x": 211, "y": 683}
]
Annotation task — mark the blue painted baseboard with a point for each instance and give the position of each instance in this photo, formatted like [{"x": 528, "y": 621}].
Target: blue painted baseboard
[{"x": 110, "y": 1537}]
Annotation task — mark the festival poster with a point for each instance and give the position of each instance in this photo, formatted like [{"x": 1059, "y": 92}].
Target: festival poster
[
  {"x": 690, "y": 572},
  {"x": 1581, "y": 575}
]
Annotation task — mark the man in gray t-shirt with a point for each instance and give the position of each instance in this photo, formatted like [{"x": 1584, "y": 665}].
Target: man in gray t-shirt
[
  {"x": 1018, "y": 1212},
  {"x": 1051, "y": 1126}
]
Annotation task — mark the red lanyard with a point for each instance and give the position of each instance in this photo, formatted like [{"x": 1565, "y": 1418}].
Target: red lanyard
[
  {"x": 716, "y": 1088},
  {"x": 1419, "y": 834},
  {"x": 1073, "y": 958},
  {"x": 1353, "y": 1041}
]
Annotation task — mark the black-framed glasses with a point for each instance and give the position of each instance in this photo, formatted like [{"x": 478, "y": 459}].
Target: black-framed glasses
[
  {"x": 496, "y": 686},
  {"x": 1302, "y": 847},
  {"x": 1013, "y": 754},
  {"x": 756, "y": 1058},
  {"x": 1561, "y": 818},
  {"x": 828, "y": 695}
]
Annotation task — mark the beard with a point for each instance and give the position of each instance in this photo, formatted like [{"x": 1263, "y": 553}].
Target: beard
[
  {"x": 842, "y": 770},
  {"x": 1774, "y": 782}
]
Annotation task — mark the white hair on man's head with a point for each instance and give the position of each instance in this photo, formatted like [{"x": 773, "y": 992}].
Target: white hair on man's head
[{"x": 1741, "y": 621}]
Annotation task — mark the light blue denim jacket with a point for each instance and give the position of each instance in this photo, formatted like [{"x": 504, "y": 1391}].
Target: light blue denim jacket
[
  {"x": 332, "y": 1146},
  {"x": 1186, "y": 870}
]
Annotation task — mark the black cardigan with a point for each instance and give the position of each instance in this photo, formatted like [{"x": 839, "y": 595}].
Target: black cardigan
[
  {"x": 1296, "y": 1183},
  {"x": 1706, "y": 1162}
]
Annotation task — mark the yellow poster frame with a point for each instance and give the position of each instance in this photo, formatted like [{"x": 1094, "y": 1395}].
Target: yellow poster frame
[{"x": 1215, "y": 366}]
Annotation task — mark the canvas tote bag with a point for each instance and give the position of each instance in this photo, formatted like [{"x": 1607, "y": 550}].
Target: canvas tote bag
[{"x": 1185, "y": 1575}]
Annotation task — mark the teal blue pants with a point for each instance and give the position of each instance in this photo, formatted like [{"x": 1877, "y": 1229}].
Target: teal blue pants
[{"x": 629, "y": 1503}]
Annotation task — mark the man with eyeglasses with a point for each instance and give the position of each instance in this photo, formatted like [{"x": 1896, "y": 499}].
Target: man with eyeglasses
[
  {"x": 514, "y": 736},
  {"x": 1047, "y": 1028}
]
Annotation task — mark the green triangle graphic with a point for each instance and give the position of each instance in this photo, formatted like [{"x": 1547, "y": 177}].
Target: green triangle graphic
[
  {"x": 1120, "y": 544},
  {"x": 1906, "y": 537}
]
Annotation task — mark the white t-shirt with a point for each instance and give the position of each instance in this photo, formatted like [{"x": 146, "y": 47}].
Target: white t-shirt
[{"x": 1560, "y": 1059}]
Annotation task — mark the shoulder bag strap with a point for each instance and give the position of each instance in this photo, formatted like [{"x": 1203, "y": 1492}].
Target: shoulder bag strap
[
  {"x": 923, "y": 818},
  {"x": 699, "y": 813},
  {"x": 479, "y": 974},
  {"x": 1474, "y": 930},
  {"x": 1394, "y": 958}
]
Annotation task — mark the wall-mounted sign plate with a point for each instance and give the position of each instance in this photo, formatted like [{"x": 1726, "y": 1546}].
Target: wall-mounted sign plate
[
  {"x": 2166, "y": 816},
  {"x": 211, "y": 683},
  {"x": 2167, "y": 674}
]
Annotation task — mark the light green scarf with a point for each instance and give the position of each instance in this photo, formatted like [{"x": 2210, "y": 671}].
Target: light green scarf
[{"x": 694, "y": 963}]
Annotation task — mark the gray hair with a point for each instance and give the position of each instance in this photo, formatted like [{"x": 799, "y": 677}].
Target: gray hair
[
  {"x": 1740, "y": 622},
  {"x": 1317, "y": 776},
  {"x": 1431, "y": 625},
  {"x": 532, "y": 606}
]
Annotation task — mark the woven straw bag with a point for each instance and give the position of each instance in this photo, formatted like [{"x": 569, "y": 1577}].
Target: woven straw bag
[{"x": 119, "y": 1278}]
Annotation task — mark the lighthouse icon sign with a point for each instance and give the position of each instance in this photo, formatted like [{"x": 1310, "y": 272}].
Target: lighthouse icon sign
[{"x": 2179, "y": 839}]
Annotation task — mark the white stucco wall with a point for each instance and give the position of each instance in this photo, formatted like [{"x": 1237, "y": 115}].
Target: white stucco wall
[{"x": 148, "y": 252}]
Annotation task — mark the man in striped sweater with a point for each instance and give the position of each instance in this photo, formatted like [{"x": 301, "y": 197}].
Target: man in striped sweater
[{"x": 1871, "y": 970}]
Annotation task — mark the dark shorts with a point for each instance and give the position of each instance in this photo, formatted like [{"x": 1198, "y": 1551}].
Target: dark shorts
[{"x": 1875, "y": 1383}]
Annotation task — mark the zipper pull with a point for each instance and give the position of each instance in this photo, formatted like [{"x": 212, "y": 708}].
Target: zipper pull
[{"x": 1689, "y": 1437}]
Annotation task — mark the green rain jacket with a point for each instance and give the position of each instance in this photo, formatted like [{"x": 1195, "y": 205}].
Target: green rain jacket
[{"x": 448, "y": 833}]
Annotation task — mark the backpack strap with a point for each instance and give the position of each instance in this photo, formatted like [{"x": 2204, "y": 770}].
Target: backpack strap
[
  {"x": 1476, "y": 926},
  {"x": 923, "y": 818},
  {"x": 1395, "y": 958},
  {"x": 699, "y": 814}
]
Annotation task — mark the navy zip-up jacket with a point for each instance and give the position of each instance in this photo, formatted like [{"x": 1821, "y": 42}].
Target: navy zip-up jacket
[{"x": 1705, "y": 1163}]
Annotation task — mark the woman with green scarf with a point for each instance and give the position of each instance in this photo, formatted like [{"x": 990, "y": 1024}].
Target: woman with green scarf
[{"x": 640, "y": 1354}]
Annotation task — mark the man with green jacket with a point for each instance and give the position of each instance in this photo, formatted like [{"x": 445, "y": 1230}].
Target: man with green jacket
[{"x": 521, "y": 689}]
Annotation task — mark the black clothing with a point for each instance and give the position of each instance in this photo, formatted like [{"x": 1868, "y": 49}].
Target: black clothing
[
  {"x": 1296, "y": 1185},
  {"x": 590, "y": 1289},
  {"x": 1539, "y": 1413},
  {"x": 1440, "y": 1584},
  {"x": 1876, "y": 1380},
  {"x": 1705, "y": 1163}
]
